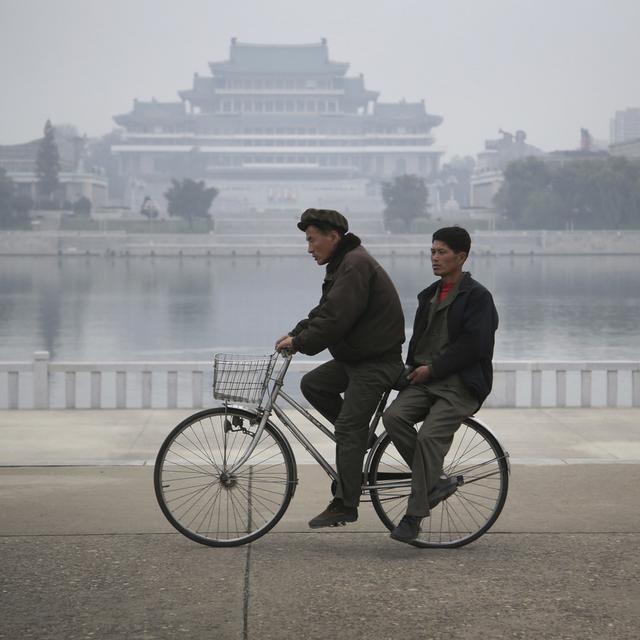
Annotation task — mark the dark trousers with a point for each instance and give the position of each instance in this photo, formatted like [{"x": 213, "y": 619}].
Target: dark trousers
[
  {"x": 362, "y": 385},
  {"x": 424, "y": 450}
]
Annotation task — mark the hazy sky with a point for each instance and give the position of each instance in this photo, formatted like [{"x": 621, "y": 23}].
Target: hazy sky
[{"x": 546, "y": 66}]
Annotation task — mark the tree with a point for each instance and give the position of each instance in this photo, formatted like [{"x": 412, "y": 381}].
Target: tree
[
  {"x": 522, "y": 178},
  {"x": 6, "y": 196},
  {"x": 82, "y": 206},
  {"x": 190, "y": 199},
  {"x": 594, "y": 193},
  {"x": 406, "y": 198},
  {"x": 14, "y": 209},
  {"x": 48, "y": 163},
  {"x": 149, "y": 208},
  {"x": 23, "y": 204}
]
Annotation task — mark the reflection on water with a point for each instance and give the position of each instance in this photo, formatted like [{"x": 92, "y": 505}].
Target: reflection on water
[{"x": 97, "y": 309}]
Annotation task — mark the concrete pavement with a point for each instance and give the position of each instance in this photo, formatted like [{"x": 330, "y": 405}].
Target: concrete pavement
[
  {"x": 133, "y": 436},
  {"x": 86, "y": 553}
]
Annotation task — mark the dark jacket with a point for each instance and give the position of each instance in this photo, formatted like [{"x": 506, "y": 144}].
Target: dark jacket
[
  {"x": 472, "y": 321},
  {"x": 359, "y": 316}
]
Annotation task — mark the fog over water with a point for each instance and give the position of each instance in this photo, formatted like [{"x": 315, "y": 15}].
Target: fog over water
[{"x": 96, "y": 309}]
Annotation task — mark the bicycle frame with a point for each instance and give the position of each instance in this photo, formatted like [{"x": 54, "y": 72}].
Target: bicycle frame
[{"x": 271, "y": 407}]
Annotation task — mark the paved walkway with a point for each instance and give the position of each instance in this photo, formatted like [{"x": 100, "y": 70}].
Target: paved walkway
[
  {"x": 133, "y": 436},
  {"x": 86, "y": 553}
]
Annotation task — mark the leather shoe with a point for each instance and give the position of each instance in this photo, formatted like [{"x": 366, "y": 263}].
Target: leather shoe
[
  {"x": 408, "y": 529},
  {"x": 444, "y": 488},
  {"x": 334, "y": 515}
]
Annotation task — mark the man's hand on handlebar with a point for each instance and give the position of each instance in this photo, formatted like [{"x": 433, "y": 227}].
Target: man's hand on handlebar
[
  {"x": 285, "y": 345},
  {"x": 420, "y": 375}
]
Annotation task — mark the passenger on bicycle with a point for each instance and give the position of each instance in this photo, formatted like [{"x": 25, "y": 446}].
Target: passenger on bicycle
[
  {"x": 359, "y": 319},
  {"x": 451, "y": 374}
]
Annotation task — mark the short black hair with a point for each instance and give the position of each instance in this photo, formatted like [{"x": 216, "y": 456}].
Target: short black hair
[{"x": 456, "y": 238}]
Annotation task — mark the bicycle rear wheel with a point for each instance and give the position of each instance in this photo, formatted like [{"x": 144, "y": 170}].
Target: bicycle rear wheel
[
  {"x": 480, "y": 464},
  {"x": 199, "y": 496}
]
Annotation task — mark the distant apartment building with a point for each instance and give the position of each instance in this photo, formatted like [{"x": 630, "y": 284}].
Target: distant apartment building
[
  {"x": 488, "y": 174},
  {"x": 625, "y": 133},
  {"x": 625, "y": 126},
  {"x": 278, "y": 127}
]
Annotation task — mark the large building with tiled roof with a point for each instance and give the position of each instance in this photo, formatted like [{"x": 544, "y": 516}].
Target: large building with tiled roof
[{"x": 278, "y": 127}]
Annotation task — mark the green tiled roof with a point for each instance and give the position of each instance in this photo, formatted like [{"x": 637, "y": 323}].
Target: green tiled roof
[
  {"x": 278, "y": 58},
  {"x": 152, "y": 111}
]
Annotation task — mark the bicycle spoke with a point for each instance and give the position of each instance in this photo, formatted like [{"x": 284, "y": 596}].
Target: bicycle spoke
[
  {"x": 188, "y": 496},
  {"x": 206, "y": 505},
  {"x": 256, "y": 499},
  {"x": 205, "y": 451},
  {"x": 191, "y": 452},
  {"x": 206, "y": 502},
  {"x": 194, "y": 505},
  {"x": 213, "y": 506},
  {"x": 471, "y": 509}
]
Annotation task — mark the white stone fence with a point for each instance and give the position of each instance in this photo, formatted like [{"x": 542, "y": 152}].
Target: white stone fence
[{"x": 45, "y": 384}]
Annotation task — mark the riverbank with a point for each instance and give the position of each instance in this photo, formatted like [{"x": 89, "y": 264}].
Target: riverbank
[{"x": 119, "y": 244}]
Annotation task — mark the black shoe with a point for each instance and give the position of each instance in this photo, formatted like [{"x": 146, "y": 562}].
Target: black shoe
[
  {"x": 444, "y": 488},
  {"x": 408, "y": 529},
  {"x": 334, "y": 515}
]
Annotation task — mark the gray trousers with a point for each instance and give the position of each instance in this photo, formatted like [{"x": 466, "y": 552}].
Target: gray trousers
[
  {"x": 424, "y": 450},
  {"x": 362, "y": 385}
]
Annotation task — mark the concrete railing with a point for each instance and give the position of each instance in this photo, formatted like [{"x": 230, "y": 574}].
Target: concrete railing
[{"x": 43, "y": 384}]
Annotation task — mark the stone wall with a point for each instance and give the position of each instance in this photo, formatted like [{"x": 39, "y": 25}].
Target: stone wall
[{"x": 484, "y": 242}]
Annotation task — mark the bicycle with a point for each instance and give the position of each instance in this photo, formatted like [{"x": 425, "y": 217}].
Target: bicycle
[{"x": 225, "y": 476}]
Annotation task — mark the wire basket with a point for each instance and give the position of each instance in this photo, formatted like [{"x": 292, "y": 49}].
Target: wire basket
[{"x": 241, "y": 378}]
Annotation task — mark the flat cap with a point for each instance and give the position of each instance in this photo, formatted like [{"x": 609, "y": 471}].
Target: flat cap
[{"x": 324, "y": 216}]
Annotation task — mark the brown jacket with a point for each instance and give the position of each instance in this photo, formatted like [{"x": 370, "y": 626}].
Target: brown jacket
[{"x": 359, "y": 316}]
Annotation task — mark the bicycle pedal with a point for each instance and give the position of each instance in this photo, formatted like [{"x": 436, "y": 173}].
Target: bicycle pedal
[{"x": 459, "y": 480}]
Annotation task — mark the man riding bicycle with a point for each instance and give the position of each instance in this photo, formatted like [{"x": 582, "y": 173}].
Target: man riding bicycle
[{"x": 359, "y": 319}]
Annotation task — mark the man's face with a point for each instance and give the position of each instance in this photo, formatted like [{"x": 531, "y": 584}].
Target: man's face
[
  {"x": 445, "y": 260},
  {"x": 321, "y": 246}
]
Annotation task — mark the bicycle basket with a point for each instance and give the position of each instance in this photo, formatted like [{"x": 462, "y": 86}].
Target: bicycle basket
[{"x": 241, "y": 378}]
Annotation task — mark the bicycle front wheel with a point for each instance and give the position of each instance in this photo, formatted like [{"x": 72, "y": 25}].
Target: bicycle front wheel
[
  {"x": 480, "y": 465},
  {"x": 199, "y": 495}
]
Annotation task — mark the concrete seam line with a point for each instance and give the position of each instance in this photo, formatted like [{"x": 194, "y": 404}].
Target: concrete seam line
[
  {"x": 245, "y": 599},
  {"x": 247, "y": 567}
]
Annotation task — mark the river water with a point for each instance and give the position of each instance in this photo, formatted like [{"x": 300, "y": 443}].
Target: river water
[{"x": 100, "y": 309}]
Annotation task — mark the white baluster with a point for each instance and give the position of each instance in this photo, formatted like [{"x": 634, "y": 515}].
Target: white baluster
[
  {"x": 196, "y": 382},
  {"x": 147, "y": 382},
  {"x": 585, "y": 388},
  {"x": 41, "y": 380},
  {"x": 96, "y": 389},
  {"x": 13, "y": 389},
  {"x": 172, "y": 389},
  {"x": 70, "y": 390},
  {"x": 561, "y": 388},
  {"x": 121, "y": 389}
]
